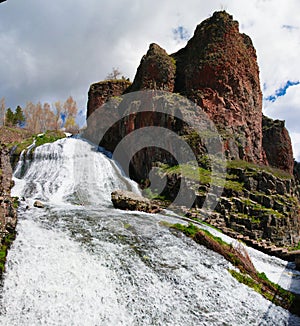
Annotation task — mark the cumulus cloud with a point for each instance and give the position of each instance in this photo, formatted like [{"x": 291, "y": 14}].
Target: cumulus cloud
[{"x": 51, "y": 50}]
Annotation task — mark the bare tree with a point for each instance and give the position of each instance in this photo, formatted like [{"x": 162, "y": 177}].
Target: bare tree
[
  {"x": 58, "y": 112},
  {"x": 49, "y": 118},
  {"x": 70, "y": 113},
  {"x": 39, "y": 117},
  {"x": 114, "y": 75},
  {"x": 32, "y": 116},
  {"x": 2, "y": 111}
]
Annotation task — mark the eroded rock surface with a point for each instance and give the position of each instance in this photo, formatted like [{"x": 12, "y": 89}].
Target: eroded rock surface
[{"x": 128, "y": 200}]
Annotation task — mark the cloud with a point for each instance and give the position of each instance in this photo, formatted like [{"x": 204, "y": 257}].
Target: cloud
[{"x": 52, "y": 50}]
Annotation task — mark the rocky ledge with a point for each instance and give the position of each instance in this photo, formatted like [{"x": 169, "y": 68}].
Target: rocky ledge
[
  {"x": 128, "y": 200},
  {"x": 8, "y": 215}
]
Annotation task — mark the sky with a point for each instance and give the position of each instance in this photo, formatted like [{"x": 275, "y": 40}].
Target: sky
[{"x": 50, "y": 50}]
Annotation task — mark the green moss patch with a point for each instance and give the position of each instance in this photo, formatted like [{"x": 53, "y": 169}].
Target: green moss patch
[
  {"x": 6, "y": 243},
  {"x": 49, "y": 137},
  {"x": 254, "y": 168},
  {"x": 204, "y": 176}
]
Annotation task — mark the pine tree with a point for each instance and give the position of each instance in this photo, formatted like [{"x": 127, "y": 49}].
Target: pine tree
[
  {"x": 19, "y": 117},
  {"x": 10, "y": 118}
]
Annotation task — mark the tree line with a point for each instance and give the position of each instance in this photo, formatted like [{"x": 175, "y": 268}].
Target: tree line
[{"x": 41, "y": 117}]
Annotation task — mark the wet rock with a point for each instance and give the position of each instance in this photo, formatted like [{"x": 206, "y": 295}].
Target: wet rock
[
  {"x": 38, "y": 204},
  {"x": 127, "y": 200}
]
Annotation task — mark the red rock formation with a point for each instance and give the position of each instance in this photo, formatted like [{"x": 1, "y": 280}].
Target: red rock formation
[
  {"x": 101, "y": 92},
  {"x": 218, "y": 70},
  {"x": 156, "y": 71},
  {"x": 277, "y": 145}
]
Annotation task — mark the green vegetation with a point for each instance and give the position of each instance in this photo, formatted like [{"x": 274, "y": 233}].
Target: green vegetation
[
  {"x": 260, "y": 208},
  {"x": 16, "y": 202},
  {"x": 297, "y": 247},
  {"x": 148, "y": 193},
  {"x": 48, "y": 137},
  {"x": 269, "y": 290},
  {"x": 14, "y": 118},
  {"x": 6, "y": 243},
  {"x": 189, "y": 230},
  {"x": 204, "y": 176},
  {"x": 247, "y": 280},
  {"x": 254, "y": 168}
]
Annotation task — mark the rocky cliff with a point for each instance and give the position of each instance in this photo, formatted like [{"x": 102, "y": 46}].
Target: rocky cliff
[
  {"x": 8, "y": 215},
  {"x": 101, "y": 92},
  {"x": 277, "y": 144},
  {"x": 218, "y": 71}
]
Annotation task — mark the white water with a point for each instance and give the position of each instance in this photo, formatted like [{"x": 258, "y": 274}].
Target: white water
[{"x": 78, "y": 261}]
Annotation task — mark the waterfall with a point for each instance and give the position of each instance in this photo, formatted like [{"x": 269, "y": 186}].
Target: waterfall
[{"x": 79, "y": 261}]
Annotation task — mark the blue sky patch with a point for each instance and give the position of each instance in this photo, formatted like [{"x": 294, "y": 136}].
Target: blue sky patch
[
  {"x": 180, "y": 33},
  {"x": 281, "y": 91}
]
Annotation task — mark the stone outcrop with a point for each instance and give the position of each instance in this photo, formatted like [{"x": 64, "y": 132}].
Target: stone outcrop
[
  {"x": 156, "y": 71},
  {"x": 277, "y": 144},
  {"x": 259, "y": 205},
  {"x": 128, "y": 200},
  {"x": 101, "y": 92},
  {"x": 218, "y": 70},
  {"x": 8, "y": 215}
]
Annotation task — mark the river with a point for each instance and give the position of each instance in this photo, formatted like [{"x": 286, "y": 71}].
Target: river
[{"x": 79, "y": 261}]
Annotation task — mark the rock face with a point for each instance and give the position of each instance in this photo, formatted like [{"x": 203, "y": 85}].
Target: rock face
[
  {"x": 264, "y": 208},
  {"x": 156, "y": 71},
  {"x": 101, "y": 92},
  {"x": 277, "y": 145},
  {"x": 218, "y": 70},
  {"x": 8, "y": 215},
  {"x": 128, "y": 200}
]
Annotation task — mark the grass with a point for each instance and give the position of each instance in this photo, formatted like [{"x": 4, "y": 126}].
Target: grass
[
  {"x": 48, "y": 137},
  {"x": 258, "y": 207},
  {"x": 204, "y": 176},
  {"x": 269, "y": 290},
  {"x": 16, "y": 202},
  {"x": 259, "y": 168},
  {"x": 297, "y": 247},
  {"x": 41, "y": 139}
]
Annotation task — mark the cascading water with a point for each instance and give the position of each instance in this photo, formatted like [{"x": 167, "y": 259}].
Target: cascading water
[{"x": 79, "y": 261}]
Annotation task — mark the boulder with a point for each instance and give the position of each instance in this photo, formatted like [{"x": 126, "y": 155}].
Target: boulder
[
  {"x": 38, "y": 204},
  {"x": 128, "y": 200}
]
